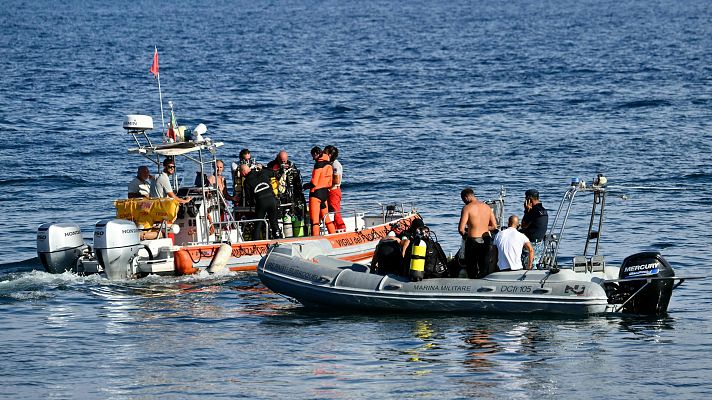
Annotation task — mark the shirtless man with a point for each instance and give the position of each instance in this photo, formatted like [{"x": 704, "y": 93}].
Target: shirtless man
[
  {"x": 220, "y": 179},
  {"x": 476, "y": 220}
]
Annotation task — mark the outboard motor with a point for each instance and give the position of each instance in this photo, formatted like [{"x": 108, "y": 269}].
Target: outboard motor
[
  {"x": 59, "y": 246},
  {"x": 116, "y": 243},
  {"x": 654, "y": 298}
]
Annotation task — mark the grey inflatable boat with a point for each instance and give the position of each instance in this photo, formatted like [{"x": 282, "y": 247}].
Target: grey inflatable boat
[
  {"x": 299, "y": 272},
  {"x": 642, "y": 284}
]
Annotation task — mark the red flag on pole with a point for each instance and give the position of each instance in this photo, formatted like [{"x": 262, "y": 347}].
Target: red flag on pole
[{"x": 154, "y": 66}]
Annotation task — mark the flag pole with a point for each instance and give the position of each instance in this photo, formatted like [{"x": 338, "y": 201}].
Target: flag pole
[
  {"x": 160, "y": 98},
  {"x": 160, "y": 94}
]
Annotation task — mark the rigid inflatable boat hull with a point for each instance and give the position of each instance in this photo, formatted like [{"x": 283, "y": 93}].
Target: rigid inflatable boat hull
[{"x": 320, "y": 281}]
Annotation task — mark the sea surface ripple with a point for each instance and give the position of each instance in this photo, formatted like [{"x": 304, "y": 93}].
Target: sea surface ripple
[{"x": 422, "y": 99}]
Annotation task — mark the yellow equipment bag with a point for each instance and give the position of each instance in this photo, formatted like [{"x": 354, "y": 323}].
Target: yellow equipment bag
[{"x": 147, "y": 212}]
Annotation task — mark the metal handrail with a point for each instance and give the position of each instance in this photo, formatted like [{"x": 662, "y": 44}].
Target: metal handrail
[{"x": 244, "y": 221}]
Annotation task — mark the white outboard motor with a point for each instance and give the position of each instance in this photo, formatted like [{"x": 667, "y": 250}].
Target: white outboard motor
[
  {"x": 59, "y": 246},
  {"x": 116, "y": 243}
]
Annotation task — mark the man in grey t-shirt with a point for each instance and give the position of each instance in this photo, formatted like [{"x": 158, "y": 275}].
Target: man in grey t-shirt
[{"x": 162, "y": 185}]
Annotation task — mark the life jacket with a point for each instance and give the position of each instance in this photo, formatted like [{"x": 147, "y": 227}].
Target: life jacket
[
  {"x": 321, "y": 177},
  {"x": 238, "y": 183}
]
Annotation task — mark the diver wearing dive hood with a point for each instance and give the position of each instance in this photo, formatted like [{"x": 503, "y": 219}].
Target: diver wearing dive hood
[{"x": 258, "y": 189}]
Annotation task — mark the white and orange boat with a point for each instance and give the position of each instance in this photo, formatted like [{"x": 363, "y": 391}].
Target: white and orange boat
[{"x": 159, "y": 236}]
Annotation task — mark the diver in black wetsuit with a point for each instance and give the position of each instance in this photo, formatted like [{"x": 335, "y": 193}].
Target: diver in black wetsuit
[
  {"x": 257, "y": 186},
  {"x": 388, "y": 256}
]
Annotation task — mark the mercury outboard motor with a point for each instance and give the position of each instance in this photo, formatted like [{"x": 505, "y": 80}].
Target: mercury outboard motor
[
  {"x": 116, "y": 243},
  {"x": 59, "y": 246},
  {"x": 653, "y": 299}
]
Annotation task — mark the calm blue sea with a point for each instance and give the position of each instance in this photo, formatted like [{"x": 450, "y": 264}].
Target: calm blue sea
[{"x": 422, "y": 98}]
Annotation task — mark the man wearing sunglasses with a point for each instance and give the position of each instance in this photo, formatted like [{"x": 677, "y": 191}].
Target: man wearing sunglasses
[{"x": 162, "y": 185}]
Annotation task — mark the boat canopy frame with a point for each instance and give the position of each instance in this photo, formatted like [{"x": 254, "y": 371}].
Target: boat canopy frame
[
  {"x": 557, "y": 228},
  {"x": 195, "y": 152}
]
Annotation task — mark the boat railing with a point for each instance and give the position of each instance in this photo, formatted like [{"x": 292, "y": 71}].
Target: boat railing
[
  {"x": 497, "y": 206},
  {"x": 391, "y": 210},
  {"x": 204, "y": 155},
  {"x": 242, "y": 226},
  {"x": 556, "y": 230}
]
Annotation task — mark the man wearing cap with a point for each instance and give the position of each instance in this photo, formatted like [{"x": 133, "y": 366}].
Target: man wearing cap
[
  {"x": 409, "y": 234},
  {"x": 407, "y": 239},
  {"x": 534, "y": 223}
]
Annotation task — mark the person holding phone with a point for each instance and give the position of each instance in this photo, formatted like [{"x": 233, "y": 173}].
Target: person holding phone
[{"x": 534, "y": 223}]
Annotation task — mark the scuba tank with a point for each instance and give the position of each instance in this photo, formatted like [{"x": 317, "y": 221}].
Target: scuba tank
[
  {"x": 247, "y": 231},
  {"x": 297, "y": 226},
  {"x": 275, "y": 185},
  {"x": 287, "y": 226},
  {"x": 417, "y": 260}
]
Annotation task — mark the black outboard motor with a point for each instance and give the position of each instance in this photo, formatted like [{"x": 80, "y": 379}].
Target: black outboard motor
[{"x": 654, "y": 298}]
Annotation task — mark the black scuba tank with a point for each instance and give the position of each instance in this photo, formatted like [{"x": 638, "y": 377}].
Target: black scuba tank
[{"x": 654, "y": 298}]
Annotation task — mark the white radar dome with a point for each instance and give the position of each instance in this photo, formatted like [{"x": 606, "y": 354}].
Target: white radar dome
[{"x": 136, "y": 122}]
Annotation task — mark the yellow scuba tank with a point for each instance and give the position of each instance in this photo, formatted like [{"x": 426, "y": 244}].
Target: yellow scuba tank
[
  {"x": 417, "y": 260},
  {"x": 275, "y": 185}
]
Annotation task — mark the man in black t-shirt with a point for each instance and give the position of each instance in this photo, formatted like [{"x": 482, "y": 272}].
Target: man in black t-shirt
[{"x": 534, "y": 223}]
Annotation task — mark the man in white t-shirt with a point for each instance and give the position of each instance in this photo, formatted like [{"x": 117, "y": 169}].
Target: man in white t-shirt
[
  {"x": 334, "y": 202},
  {"x": 510, "y": 243}
]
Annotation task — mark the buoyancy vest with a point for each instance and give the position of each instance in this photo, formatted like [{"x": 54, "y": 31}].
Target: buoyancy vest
[
  {"x": 435, "y": 265},
  {"x": 238, "y": 183},
  {"x": 285, "y": 181},
  {"x": 321, "y": 177},
  {"x": 435, "y": 260}
]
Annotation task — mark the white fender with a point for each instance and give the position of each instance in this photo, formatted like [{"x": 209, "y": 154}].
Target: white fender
[{"x": 222, "y": 255}]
